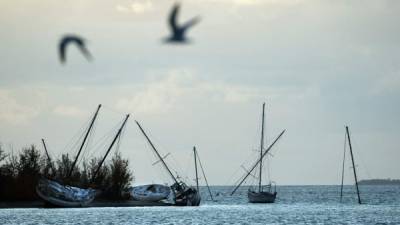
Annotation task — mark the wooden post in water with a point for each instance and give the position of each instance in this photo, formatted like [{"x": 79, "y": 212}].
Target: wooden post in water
[
  {"x": 195, "y": 167},
  {"x": 354, "y": 166}
]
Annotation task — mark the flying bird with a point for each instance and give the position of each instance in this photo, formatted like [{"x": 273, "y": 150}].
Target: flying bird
[
  {"x": 179, "y": 31},
  {"x": 72, "y": 39}
]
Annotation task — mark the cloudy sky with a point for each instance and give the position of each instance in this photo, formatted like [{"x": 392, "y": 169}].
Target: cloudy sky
[{"x": 318, "y": 65}]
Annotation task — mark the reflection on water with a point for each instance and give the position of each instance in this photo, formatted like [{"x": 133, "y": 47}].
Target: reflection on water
[{"x": 294, "y": 205}]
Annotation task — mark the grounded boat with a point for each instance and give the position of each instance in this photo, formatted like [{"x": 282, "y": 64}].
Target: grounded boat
[
  {"x": 263, "y": 194},
  {"x": 347, "y": 137},
  {"x": 184, "y": 195},
  {"x": 152, "y": 193},
  {"x": 60, "y": 195}
]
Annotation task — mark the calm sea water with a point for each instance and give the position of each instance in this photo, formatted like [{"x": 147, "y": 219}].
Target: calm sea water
[{"x": 294, "y": 205}]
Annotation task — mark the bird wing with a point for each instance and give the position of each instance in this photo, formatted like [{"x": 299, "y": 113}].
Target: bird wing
[
  {"x": 191, "y": 22},
  {"x": 173, "y": 17},
  {"x": 80, "y": 43},
  {"x": 85, "y": 52},
  {"x": 62, "y": 47}
]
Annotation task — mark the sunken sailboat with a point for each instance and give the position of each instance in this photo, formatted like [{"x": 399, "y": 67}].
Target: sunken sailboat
[
  {"x": 179, "y": 193},
  {"x": 263, "y": 193},
  {"x": 347, "y": 137},
  {"x": 57, "y": 194}
]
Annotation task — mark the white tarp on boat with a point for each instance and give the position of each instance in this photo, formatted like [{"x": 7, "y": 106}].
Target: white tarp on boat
[
  {"x": 152, "y": 193},
  {"x": 64, "y": 196}
]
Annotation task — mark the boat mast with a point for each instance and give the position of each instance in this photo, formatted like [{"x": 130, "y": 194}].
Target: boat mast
[
  {"x": 195, "y": 167},
  {"x": 45, "y": 149},
  {"x": 354, "y": 167},
  {"x": 109, "y": 148},
  {"x": 261, "y": 148},
  {"x": 204, "y": 175},
  {"x": 84, "y": 140},
  {"x": 344, "y": 159},
  {"x": 158, "y": 155},
  {"x": 48, "y": 156},
  {"x": 258, "y": 161}
]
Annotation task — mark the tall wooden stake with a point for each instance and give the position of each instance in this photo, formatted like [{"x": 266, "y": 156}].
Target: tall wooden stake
[
  {"x": 84, "y": 140},
  {"x": 354, "y": 167}
]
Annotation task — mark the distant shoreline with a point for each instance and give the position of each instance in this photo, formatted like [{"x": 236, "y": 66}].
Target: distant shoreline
[{"x": 379, "y": 182}]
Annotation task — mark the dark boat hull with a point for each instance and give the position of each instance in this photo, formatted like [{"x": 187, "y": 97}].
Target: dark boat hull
[
  {"x": 190, "y": 197},
  {"x": 261, "y": 197}
]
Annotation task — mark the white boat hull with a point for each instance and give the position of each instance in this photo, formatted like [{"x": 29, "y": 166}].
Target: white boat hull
[
  {"x": 59, "y": 195},
  {"x": 151, "y": 192}
]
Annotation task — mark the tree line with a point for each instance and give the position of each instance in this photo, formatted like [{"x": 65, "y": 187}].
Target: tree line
[{"x": 20, "y": 173}]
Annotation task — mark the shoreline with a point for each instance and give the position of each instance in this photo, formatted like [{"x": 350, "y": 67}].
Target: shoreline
[{"x": 101, "y": 203}]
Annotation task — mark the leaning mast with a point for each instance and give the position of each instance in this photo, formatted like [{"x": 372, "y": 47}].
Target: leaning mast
[
  {"x": 158, "y": 154},
  {"x": 258, "y": 161},
  {"x": 354, "y": 167},
  {"x": 111, "y": 145},
  {"x": 84, "y": 141}
]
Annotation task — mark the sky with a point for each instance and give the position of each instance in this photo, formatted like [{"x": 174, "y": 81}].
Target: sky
[{"x": 318, "y": 65}]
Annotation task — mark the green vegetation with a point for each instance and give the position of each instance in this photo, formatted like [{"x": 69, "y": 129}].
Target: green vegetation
[{"x": 20, "y": 173}]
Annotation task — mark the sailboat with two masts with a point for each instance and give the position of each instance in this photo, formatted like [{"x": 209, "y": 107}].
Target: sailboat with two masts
[
  {"x": 54, "y": 193},
  {"x": 263, "y": 194}
]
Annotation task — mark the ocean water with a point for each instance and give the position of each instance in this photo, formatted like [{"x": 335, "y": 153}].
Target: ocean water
[{"x": 294, "y": 205}]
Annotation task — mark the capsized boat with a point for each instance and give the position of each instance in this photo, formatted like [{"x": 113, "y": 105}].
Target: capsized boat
[
  {"x": 347, "y": 137},
  {"x": 184, "y": 195},
  {"x": 59, "y": 195},
  {"x": 152, "y": 193}
]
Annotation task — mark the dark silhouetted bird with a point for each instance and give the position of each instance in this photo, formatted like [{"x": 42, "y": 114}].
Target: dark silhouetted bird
[
  {"x": 178, "y": 31},
  {"x": 72, "y": 39}
]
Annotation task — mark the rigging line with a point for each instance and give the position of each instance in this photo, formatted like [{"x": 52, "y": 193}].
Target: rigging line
[
  {"x": 267, "y": 175},
  {"x": 360, "y": 156},
  {"x": 117, "y": 147},
  {"x": 102, "y": 142},
  {"x": 117, "y": 112},
  {"x": 79, "y": 134},
  {"x": 173, "y": 163},
  {"x": 246, "y": 161},
  {"x": 258, "y": 162},
  {"x": 88, "y": 146},
  {"x": 204, "y": 175},
  {"x": 344, "y": 159}
]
